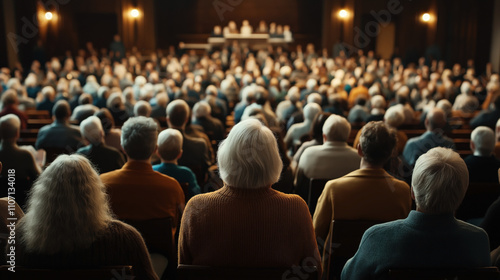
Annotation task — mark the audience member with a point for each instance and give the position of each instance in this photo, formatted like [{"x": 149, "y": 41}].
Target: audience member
[
  {"x": 208, "y": 124},
  {"x": 430, "y": 237},
  {"x": 169, "y": 151},
  {"x": 85, "y": 108},
  {"x": 482, "y": 165},
  {"x": 49, "y": 95},
  {"x": 433, "y": 137},
  {"x": 60, "y": 134},
  {"x": 294, "y": 135},
  {"x": 112, "y": 135},
  {"x": 103, "y": 157},
  {"x": 15, "y": 159},
  {"x": 69, "y": 224},
  {"x": 10, "y": 104},
  {"x": 136, "y": 191},
  {"x": 247, "y": 208},
  {"x": 487, "y": 118},
  {"x": 315, "y": 134}
]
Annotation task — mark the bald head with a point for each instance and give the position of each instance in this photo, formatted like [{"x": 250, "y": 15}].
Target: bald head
[
  {"x": 9, "y": 127},
  {"x": 436, "y": 119}
]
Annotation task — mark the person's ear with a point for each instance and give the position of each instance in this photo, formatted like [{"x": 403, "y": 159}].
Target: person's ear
[
  {"x": 360, "y": 152},
  {"x": 324, "y": 138},
  {"x": 180, "y": 154},
  {"x": 472, "y": 147}
]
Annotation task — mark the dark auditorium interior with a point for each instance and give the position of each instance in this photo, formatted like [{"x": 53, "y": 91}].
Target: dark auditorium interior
[{"x": 249, "y": 139}]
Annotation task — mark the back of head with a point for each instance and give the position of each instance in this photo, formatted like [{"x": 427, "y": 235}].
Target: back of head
[
  {"x": 169, "y": 144},
  {"x": 48, "y": 92},
  {"x": 67, "y": 207},
  {"x": 446, "y": 106},
  {"x": 201, "y": 109},
  {"x": 115, "y": 101},
  {"x": 314, "y": 98},
  {"x": 293, "y": 94},
  {"x": 61, "y": 110},
  {"x": 311, "y": 110},
  {"x": 138, "y": 138},
  {"x": 436, "y": 119},
  {"x": 394, "y": 116},
  {"x": 9, "y": 98},
  {"x": 483, "y": 138},
  {"x": 85, "y": 98},
  {"x": 91, "y": 129},
  {"x": 378, "y": 102},
  {"x": 162, "y": 99},
  {"x": 311, "y": 84},
  {"x": 106, "y": 118},
  {"x": 261, "y": 95},
  {"x": 317, "y": 127},
  {"x": 142, "y": 108},
  {"x": 439, "y": 182},
  {"x": 10, "y": 126},
  {"x": 377, "y": 143},
  {"x": 178, "y": 113},
  {"x": 249, "y": 157},
  {"x": 336, "y": 128}
]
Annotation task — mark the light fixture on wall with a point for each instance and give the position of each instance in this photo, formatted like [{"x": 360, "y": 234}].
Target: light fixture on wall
[
  {"x": 343, "y": 14},
  {"x": 426, "y": 17},
  {"x": 49, "y": 16},
  {"x": 134, "y": 13}
]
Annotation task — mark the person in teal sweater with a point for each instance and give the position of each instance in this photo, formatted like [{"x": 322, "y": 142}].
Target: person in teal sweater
[
  {"x": 169, "y": 151},
  {"x": 430, "y": 237}
]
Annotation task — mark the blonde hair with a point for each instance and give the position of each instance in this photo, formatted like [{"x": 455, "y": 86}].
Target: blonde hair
[{"x": 67, "y": 209}]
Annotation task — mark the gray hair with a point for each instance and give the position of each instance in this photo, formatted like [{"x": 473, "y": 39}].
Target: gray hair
[
  {"x": 483, "y": 138},
  {"x": 336, "y": 128},
  {"x": 394, "y": 116},
  {"x": 248, "y": 157},
  {"x": 138, "y": 138},
  {"x": 201, "y": 109},
  {"x": 169, "y": 144},
  {"x": 91, "y": 129},
  {"x": 311, "y": 110},
  {"x": 440, "y": 180},
  {"x": 67, "y": 208},
  {"x": 314, "y": 98}
]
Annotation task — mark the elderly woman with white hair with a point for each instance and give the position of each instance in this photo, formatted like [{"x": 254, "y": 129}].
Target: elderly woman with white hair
[
  {"x": 482, "y": 165},
  {"x": 69, "y": 224},
  {"x": 246, "y": 222}
]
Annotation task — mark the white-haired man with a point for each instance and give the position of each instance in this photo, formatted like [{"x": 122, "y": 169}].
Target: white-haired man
[
  {"x": 102, "y": 156},
  {"x": 208, "y": 124},
  {"x": 136, "y": 191},
  {"x": 298, "y": 130},
  {"x": 331, "y": 160},
  {"x": 430, "y": 237},
  {"x": 169, "y": 151},
  {"x": 482, "y": 165}
]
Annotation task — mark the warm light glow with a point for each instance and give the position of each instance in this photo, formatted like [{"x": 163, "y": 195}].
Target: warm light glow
[
  {"x": 343, "y": 14},
  {"x": 48, "y": 15},
  {"x": 134, "y": 13},
  {"x": 426, "y": 17}
]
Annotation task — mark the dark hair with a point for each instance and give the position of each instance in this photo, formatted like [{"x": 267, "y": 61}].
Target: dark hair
[
  {"x": 317, "y": 127},
  {"x": 377, "y": 142},
  {"x": 178, "y": 115},
  {"x": 61, "y": 110},
  {"x": 106, "y": 118}
]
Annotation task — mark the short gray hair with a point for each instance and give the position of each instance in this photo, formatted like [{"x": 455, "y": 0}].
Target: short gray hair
[
  {"x": 336, "y": 128},
  {"x": 248, "y": 157},
  {"x": 9, "y": 126},
  {"x": 201, "y": 109},
  {"x": 91, "y": 129},
  {"x": 394, "y": 116},
  {"x": 142, "y": 108},
  {"x": 440, "y": 180},
  {"x": 311, "y": 110},
  {"x": 483, "y": 138},
  {"x": 139, "y": 136},
  {"x": 169, "y": 144}
]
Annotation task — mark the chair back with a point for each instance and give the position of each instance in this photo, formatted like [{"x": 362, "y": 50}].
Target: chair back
[
  {"x": 477, "y": 200},
  {"x": 196, "y": 272},
  {"x": 102, "y": 273},
  {"x": 314, "y": 191},
  {"x": 345, "y": 236},
  {"x": 486, "y": 273},
  {"x": 157, "y": 234}
]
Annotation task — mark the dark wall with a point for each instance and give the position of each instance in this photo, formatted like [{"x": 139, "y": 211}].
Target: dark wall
[
  {"x": 3, "y": 38},
  {"x": 193, "y": 20}
]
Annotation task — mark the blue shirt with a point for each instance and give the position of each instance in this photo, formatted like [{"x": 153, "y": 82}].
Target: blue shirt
[{"x": 182, "y": 175}]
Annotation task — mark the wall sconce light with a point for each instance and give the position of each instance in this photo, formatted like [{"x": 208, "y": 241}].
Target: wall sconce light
[
  {"x": 134, "y": 13},
  {"x": 49, "y": 16},
  {"x": 426, "y": 17},
  {"x": 343, "y": 14}
]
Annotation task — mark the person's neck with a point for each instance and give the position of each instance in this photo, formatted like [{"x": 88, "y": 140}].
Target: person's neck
[
  {"x": 9, "y": 143},
  {"x": 148, "y": 161},
  {"x": 366, "y": 165},
  {"x": 478, "y": 154},
  {"x": 170, "y": 161},
  {"x": 180, "y": 128}
]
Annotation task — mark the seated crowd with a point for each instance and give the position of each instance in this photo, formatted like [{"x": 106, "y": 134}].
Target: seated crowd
[{"x": 226, "y": 144}]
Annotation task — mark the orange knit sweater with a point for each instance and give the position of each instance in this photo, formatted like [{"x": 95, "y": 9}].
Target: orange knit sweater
[{"x": 247, "y": 228}]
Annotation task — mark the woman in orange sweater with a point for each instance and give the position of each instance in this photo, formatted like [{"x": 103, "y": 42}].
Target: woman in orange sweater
[{"x": 247, "y": 223}]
